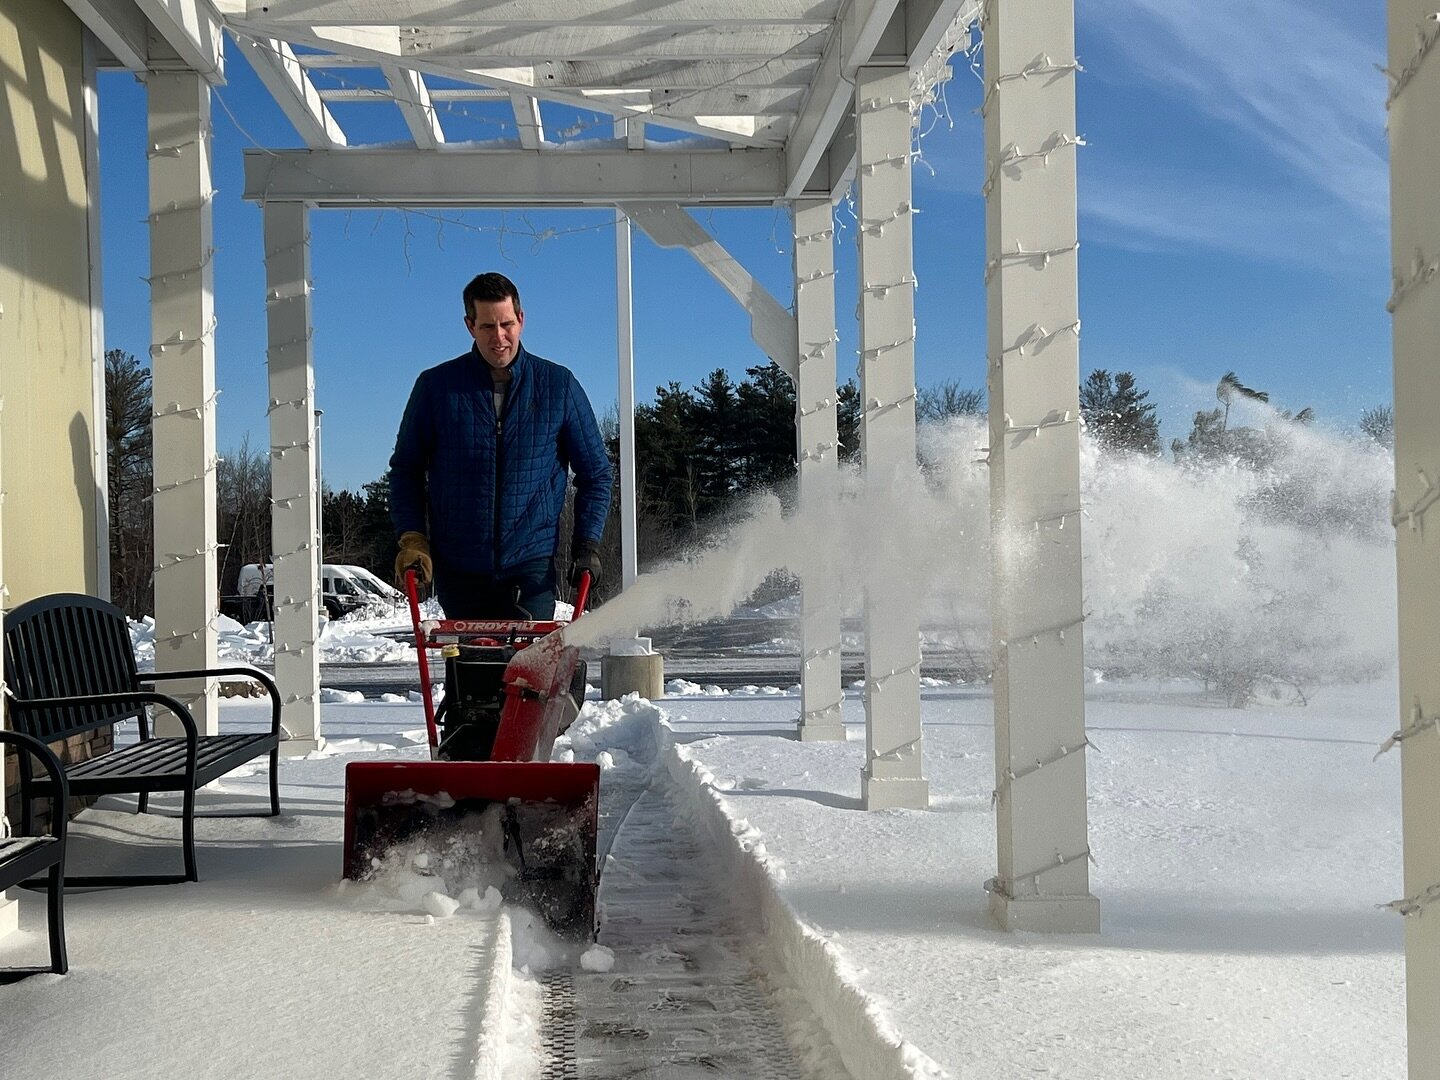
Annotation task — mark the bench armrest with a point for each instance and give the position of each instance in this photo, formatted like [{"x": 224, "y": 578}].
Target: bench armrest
[
  {"x": 129, "y": 697},
  {"x": 28, "y": 744},
  {"x": 248, "y": 672}
]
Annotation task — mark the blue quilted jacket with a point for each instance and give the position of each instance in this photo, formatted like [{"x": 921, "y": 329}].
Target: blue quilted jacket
[{"x": 488, "y": 490}]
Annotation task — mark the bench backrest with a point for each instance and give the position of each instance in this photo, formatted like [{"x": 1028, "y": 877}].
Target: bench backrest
[{"x": 65, "y": 645}]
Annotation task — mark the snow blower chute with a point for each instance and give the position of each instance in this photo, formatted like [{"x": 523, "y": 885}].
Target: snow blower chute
[{"x": 510, "y": 688}]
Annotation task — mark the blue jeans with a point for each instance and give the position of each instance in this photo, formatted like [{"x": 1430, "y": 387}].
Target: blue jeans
[{"x": 526, "y": 592}]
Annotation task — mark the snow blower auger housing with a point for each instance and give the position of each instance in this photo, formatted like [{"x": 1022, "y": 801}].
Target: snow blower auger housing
[{"x": 510, "y": 688}]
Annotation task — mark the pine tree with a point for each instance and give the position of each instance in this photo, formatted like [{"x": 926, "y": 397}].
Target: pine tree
[
  {"x": 767, "y": 404},
  {"x": 719, "y": 420},
  {"x": 847, "y": 421},
  {"x": 1117, "y": 413}
]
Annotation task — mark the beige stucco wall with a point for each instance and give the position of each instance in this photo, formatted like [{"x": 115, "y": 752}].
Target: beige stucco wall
[{"x": 47, "y": 429}]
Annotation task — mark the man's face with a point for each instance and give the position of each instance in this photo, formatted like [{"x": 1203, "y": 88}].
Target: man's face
[{"x": 495, "y": 325}]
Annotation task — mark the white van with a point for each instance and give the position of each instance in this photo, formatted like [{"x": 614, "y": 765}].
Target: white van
[{"x": 343, "y": 588}]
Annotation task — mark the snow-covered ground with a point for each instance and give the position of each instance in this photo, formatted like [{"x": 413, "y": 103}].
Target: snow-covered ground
[{"x": 1241, "y": 858}]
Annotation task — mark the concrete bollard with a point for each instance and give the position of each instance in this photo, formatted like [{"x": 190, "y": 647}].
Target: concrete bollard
[{"x": 632, "y": 668}]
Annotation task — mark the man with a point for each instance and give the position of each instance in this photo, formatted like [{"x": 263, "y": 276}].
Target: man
[{"x": 478, "y": 477}]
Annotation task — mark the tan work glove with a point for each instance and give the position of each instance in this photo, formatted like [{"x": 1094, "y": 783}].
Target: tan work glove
[{"x": 414, "y": 551}]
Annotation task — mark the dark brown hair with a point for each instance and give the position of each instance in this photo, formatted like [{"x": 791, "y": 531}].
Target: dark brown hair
[{"x": 490, "y": 289}]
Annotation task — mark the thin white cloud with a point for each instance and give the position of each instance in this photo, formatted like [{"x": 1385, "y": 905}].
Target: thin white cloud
[
  {"x": 1295, "y": 78},
  {"x": 1143, "y": 207}
]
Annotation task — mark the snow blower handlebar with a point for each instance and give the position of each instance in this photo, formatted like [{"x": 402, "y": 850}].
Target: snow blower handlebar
[
  {"x": 426, "y": 639},
  {"x": 582, "y": 594},
  {"x": 420, "y": 650}
]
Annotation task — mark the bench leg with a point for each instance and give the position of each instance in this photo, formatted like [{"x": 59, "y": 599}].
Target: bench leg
[
  {"x": 275, "y": 782},
  {"x": 54, "y": 882},
  {"x": 58, "y": 960},
  {"x": 142, "y": 805},
  {"x": 188, "y": 829}
]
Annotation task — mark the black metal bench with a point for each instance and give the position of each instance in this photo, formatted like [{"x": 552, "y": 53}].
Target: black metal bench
[
  {"x": 23, "y": 856},
  {"x": 70, "y": 670}
]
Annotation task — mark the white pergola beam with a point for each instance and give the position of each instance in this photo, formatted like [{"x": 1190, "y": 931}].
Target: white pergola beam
[
  {"x": 475, "y": 178},
  {"x": 676, "y": 75},
  {"x": 818, "y": 452},
  {"x": 293, "y": 519},
  {"x": 1414, "y": 40},
  {"x": 771, "y": 326},
  {"x": 892, "y": 776},
  {"x": 833, "y": 88},
  {"x": 193, "y": 29},
  {"x": 819, "y": 154},
  {"x": 518, "y": 13},
  {"x": 182, "y": 364},
  {"x": 527, "y": 120},
  {"x": 276, "y": 65},
  {"x": 658, "y": 103},
  {"x": 472, "y": 46},
  {"x": 120, "y": 27},
  {"x": 411, "y": 94},
  {"x": 1033, "y": 331},
  {"x": 615, "y": 74},
  {"x": 928, "y": 21}
]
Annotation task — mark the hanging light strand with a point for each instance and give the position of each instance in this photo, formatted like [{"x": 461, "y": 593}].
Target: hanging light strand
[
  {"x": 1427, "y": 33},
  {"x": 1006, "y": 887},
  {"x": 1012, "y": 157},
  {"x": 1039, "y": 259},
  {"x": 1419, "y": 723},
  {"x": 1414, "y": 514}
]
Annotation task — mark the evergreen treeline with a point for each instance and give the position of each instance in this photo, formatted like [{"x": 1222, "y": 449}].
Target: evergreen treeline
[{"x": 696, "y": 450}]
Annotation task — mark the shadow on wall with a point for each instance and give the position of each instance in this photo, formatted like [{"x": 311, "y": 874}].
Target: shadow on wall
[
  {"x": 89, "y": 493},
  {"x": 42, "y": 140}
]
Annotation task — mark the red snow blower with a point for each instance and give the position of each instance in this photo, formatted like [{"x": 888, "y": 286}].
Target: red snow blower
[{"x": 510, "y": 688}]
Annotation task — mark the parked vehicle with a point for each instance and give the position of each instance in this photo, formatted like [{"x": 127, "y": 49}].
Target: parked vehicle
[{"x": 343, "y": 589}]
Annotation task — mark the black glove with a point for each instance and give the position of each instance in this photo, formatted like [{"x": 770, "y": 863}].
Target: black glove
[{"x": 584, "y": 556}]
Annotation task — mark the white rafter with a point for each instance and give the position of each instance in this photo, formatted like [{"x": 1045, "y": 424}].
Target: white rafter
[
  {"x": 772, "y": 327},
  {"x": 381, "y": 45},
  {"x": 413, "y": 97},
  {"x": 746, "y": 73},
  {"x": 276, "y": 65},
  {"x": 120, "y": 26},
  {"x": 527, "y": 120}
]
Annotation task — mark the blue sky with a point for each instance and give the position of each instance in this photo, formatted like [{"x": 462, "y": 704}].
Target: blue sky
[{"x": 1233, "y": 215}]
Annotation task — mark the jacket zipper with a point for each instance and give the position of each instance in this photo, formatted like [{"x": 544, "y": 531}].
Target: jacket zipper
[{"x": 499, "y": 449}]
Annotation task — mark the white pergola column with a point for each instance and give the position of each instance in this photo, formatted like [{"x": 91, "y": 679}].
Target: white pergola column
[
  {"x": 892, "y": 774},
  {"x": 1042, "y": 881},
  {"x": 182, "y": 364},
  {"x": 818, "y": 449},
  {"x": 1415, "y": 243},
  {"x": 292, "y": 472},
  {"x": 625, "y": 350}
]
